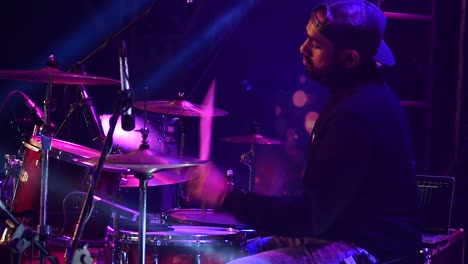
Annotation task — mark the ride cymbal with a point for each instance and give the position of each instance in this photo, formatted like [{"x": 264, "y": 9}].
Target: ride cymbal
[
  {"x": 179, "y": 107},
  {"x": 252, "y": 139},
  {"x": 146, "y": 161},
  {"x": 55, "y": 76}
]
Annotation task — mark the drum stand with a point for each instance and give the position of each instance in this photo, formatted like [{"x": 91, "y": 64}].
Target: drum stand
[
  {"x": 143, "y": 177},
  {"x": 12, "y": 171},
  {"x": 46, "y": 144},
  {"x": 18, "y": 238}
]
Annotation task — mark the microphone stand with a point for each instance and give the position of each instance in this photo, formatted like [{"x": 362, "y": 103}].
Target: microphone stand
[
  {"x": 116, "y": 34},
  {"x": 73, "y": 249},
  {"x": 91, "y": 119}
]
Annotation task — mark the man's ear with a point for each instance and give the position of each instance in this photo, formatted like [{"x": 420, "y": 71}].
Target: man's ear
[{"x": 351, "y": 59}]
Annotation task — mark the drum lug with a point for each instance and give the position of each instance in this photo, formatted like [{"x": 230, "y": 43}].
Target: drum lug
[{"x": 123, "y": 257}]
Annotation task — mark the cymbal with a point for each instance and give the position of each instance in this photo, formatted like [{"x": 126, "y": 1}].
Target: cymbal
[
  {"x": 252, "y": 139},
  {"x": 171, "y": 176},
  {"x": 55, "y": 76},
  {"x": 146, "y": 161},
  {"x": 179, "y": 107}
]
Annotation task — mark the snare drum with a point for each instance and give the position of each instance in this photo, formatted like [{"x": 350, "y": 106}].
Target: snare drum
[
  {"x": 204, "y": 217},
  {"x": 185, "y": 244},
  {"x": 68, "y": 180}
]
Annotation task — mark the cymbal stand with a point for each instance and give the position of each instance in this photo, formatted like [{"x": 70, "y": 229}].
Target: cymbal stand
[
  {"x": 248, "y": 159},
  {"x": 143, "y": 177},
  {"x": 46, "y": 142},
  {"x": 71, "y": 256}
]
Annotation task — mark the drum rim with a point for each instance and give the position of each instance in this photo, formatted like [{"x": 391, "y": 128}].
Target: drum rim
[
  {"x": 172, "y": 238},
  {"x": 169, "y": 217},
  {"x": 73, "y": 156}
]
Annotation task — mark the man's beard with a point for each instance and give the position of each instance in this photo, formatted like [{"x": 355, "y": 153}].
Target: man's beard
[{"x": 330, "y": 77}]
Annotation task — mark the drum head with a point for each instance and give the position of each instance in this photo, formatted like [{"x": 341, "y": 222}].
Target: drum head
[
  {"x": 207, "y": 217},
  {"x": 64, "y": 150},
  {"x": 70, "y": 152},
  {"x": 183, "y": 235}
]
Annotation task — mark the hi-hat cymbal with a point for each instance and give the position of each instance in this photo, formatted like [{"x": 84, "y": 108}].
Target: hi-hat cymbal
[
  {"x": 146, "y": 161},
  {"x": 252, "y": 139},
  {"x": 171, "y": 176},
  {"x": 55, "y": 76},
  {"x": 179, "y": 107}
]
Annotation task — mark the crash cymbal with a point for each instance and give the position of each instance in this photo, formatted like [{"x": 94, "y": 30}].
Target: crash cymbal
[
  {"x": 179, "y": 107},
  {"x": 252, "y": 139},
  {"x": 55, "y": 76},
  {"x": 171, "y": 176},
  {"x": 146, "y": 161}
]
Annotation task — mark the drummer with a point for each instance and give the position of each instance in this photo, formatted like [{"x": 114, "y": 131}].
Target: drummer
[{"x": 360, "y": 156}]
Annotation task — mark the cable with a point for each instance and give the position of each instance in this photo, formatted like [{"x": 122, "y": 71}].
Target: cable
[{"x": 8, "y": 98}]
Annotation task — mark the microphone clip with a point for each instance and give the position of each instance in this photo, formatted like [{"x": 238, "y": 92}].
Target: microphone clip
[{"x": 126, "y": 100}]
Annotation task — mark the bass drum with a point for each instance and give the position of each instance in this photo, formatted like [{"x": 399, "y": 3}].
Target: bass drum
[{"x": 68, "y": 183}]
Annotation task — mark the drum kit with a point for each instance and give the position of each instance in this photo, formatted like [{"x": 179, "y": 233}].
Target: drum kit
[{"x": 61, "y": 170}]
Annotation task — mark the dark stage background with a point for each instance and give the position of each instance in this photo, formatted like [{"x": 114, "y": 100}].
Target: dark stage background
[{"x": 250, "y": 50}]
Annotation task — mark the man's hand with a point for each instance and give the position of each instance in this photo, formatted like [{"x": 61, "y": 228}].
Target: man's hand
[{"x": 209, "y": 187}]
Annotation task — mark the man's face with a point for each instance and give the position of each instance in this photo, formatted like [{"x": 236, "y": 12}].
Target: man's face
[{"x": 321, "y": 58}]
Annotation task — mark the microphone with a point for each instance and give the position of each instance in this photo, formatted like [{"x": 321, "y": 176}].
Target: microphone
[
  {"x": 92, "y": 122},
  {"x": 37, "y": 111},
  {"x": 128, "y": 119},
  {"x": 230, "y": 180},
  {"x": 38, "y": 115}
]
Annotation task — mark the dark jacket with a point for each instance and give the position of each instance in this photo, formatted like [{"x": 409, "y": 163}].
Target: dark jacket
[{"x": 359, "y": 185}]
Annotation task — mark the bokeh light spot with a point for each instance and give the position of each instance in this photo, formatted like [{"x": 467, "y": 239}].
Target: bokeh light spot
[
  {"x": 310, "y": 120},
  {"x": 299, "y": 98}
]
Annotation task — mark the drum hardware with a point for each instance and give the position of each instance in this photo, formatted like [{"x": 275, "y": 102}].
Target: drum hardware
[
  {"x": 75, "y": 251},
  {"x": 46, "y": 143},
  {"x": 51, "y": 76},
  {"x": 184, "y": 244},
  {"x": 172, "y": 176},
  {"x": 253, "y": 138},
  {"x": 12, "y": 171},
  {"x": 122, "y": 211},
  {"x": 143, "y": 163},
  {"x": 18, "y": 238},
  {"x": 182, "y": 108},
  {"x": 144, "y": 174},
  {"x": 91, "y": 119},
  {"x": 248, "y": 159}
]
